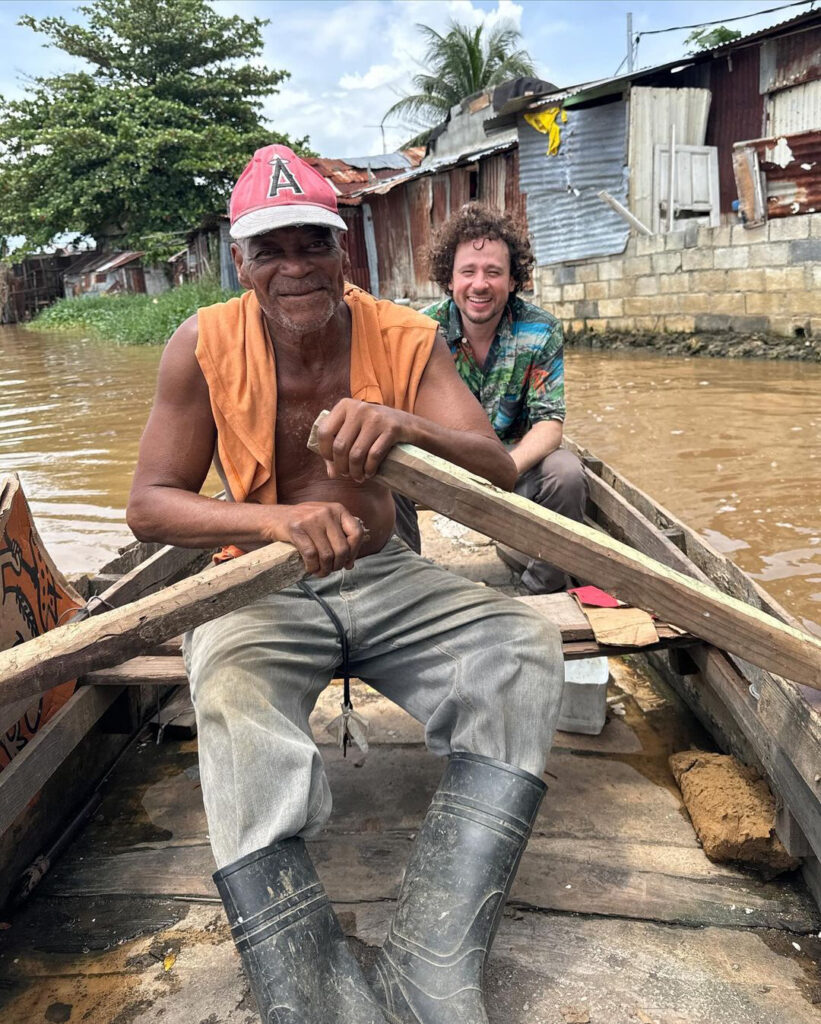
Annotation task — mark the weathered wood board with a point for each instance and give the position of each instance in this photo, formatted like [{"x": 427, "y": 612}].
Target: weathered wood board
[
  {"x": 608, "y": 841},
  {"x": 112, "y": 636},
  {"x": 586, "y": 553}
]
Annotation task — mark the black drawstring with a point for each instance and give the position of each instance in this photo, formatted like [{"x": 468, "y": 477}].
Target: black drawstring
[{"x": 343, "y": 641}]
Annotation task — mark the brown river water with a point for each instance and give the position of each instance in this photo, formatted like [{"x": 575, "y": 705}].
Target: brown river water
[{"x": 729, "y": 446}]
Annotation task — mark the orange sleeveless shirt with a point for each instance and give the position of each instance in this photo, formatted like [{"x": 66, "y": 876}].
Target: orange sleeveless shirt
[{"x": 390, "y": 348}]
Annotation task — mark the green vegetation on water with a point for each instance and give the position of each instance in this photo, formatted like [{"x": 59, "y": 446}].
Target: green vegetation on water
[{"x": 131, "y": 319}]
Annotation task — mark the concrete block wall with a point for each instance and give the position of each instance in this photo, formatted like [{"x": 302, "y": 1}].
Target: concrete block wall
[{"x": 761, "y": 280}]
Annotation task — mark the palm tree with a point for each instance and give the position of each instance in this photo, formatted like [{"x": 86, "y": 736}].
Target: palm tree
[{"x": 456, "y": 65}]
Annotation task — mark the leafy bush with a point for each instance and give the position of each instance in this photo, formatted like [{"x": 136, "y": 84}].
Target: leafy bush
[{"x": 131, "y": 319}]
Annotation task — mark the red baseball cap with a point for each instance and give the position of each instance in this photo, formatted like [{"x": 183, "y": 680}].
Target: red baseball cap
[{"x": 277, "y": 190}]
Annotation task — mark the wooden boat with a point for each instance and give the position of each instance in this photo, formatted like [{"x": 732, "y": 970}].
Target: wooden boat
[{"x": 124, "y": 924}]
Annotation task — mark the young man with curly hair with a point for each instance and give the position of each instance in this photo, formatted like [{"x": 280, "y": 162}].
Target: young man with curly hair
[{"x": 509, "y": 353}]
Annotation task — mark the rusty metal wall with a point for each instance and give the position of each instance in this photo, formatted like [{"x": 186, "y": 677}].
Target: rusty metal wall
[
  {"x": 515, "y": 199},
  {"x": 459, "y": 188},
  {"x": 736, "y": 113},
  {"x": 792, "y": 184},
  {"x": 392, "y": 237},
  {"x": 492, "y": 181},
  {"x": 790, "y": 60},
  {"x": 355, "y": 241},
  {"x": 441, "y": 199},
  {"x": 566, "y": 218},
  {"x": 420, "y": 206}
]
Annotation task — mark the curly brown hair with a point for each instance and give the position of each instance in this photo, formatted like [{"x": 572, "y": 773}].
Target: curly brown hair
[{"x": 476, "y": 220}]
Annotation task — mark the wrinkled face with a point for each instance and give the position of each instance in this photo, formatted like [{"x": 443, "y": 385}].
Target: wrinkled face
[
  {"x": 296, "y": 273},
  {"x": 480, "y": 281}
]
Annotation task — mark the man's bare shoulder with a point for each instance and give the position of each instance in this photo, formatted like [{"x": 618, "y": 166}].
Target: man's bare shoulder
[{"x": 179, "y": 367}]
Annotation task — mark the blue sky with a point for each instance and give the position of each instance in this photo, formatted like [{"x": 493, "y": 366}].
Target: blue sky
[{"x": 350, "y": 60}]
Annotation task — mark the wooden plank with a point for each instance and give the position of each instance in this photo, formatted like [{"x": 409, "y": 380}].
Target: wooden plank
[
  {"x": 168, "y": 669},
  {"x": 585, "y": 553},
  {"x": 24, "y": 777},
  {"x": 155, "y": 572},
  {"x": 622, "y": 879},
  {"x": 562, "y": 610},
  {"x": 10, "y": 714},
  {"x": 106, "y": 639},
  {"x": 791, "y": 836},
  {"x": 719, "y": 569},
  {"x": 145, "y": 670},
  {"x": 793, "y": 726},
  {"x": 627, "y": 524}
]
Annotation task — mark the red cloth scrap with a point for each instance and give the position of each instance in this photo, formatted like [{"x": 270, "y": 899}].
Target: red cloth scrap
[{"x": 594, "y": 597}]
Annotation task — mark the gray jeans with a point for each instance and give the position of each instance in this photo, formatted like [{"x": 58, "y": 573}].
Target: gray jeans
[
  {"x": 484, "y": 674},
  {"x": 557, "y": 483}
]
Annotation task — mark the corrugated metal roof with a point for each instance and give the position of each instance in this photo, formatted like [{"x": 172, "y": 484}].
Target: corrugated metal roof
[
  {"x": 401, "y": 161},
  {"x": 348, "y": 176},
  {"x": 433, "y": 167},
  {"x": 810, "y": 17},
  {"x": 87, "y": 262},
  {"x": 102, "y": 263},
  {"x": 118, "y": 260},
  {"x": 610, "y": 86},
  {"x": 566, "y": 218}
]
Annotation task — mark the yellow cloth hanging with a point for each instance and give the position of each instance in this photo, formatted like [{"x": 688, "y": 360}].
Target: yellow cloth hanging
[{"x": 546, "y": 122}]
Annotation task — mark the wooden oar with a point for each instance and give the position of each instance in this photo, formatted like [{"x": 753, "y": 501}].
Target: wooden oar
[
  {"x": 588, "y": 554},
  {"x": 101, "y": 641}
]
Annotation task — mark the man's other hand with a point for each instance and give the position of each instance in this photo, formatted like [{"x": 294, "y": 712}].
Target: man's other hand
[
  {"x": 325, "y": 534},
  {"x": 356, "y": 436}
]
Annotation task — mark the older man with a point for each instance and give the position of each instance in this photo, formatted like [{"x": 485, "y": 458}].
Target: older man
[
  {"x": 509, "y": 353},
  {"x": 243, "y": 381}
]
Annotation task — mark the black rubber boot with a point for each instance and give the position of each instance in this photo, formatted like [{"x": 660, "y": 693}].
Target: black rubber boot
[
  {"x": 293, "y": 950},
  {"x": 430, "y": 969}
]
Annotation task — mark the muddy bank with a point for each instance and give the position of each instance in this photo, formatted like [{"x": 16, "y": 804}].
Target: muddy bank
[{"x": 721, "y": 344}]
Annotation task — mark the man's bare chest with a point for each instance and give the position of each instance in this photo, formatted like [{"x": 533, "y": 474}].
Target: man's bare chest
[{"x": 300, "y": 399}]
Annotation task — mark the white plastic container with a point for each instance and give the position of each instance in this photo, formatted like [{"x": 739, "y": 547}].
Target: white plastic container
[{"x": 584, "y": 701}]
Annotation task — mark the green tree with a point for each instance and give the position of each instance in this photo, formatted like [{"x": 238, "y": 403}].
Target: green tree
[
  {"x": 461, "y": 62},
  {"x": 702, "y": 39},
  {"x": 147, "y": 140}
]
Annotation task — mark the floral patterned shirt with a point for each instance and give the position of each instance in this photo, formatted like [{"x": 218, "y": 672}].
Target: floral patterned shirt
[{"x": 522, "y": 381}]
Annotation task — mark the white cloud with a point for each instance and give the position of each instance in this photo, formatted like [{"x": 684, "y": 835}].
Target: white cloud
[{"x": 376, "y": 76}]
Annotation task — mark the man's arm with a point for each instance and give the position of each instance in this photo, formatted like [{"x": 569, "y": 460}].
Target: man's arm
[
  {"x": 543, "y": 438},
  {"x": 447, "y": 421},
  {"x": 545, "y": 402},
  {"x": 175, "y": 452}
]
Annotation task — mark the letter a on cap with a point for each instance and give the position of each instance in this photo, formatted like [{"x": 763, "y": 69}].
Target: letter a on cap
[
  {"x": 277, "y": 190},
  {"x": 282, "y": 178}
]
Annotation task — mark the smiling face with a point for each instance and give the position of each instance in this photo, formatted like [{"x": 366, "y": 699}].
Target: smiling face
[
  {"x": 296, "y": 274},
  {"x": 480, "y": 281}
]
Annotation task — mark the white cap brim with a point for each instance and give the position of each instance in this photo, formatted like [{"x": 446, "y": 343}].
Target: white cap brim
[{"x": 269, "y": 218}]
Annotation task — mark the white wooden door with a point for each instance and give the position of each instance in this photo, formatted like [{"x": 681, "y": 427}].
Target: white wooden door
[{"x": 695, "y": 188}]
